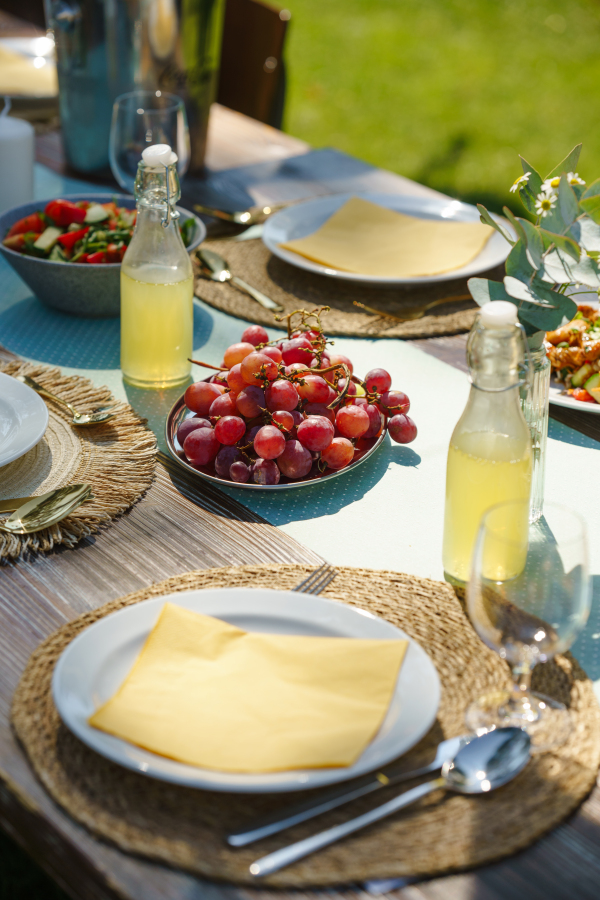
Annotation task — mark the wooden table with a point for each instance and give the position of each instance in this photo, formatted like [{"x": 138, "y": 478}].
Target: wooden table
[{"x": 174, "y": 529}]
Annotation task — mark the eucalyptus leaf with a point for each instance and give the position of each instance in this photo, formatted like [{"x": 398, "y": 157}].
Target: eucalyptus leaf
[
  {"x": 535, "y": 179},
  {"x": 527, "y": 199},
  {"x": 535, "y": 245},
  {"x": 586, "y": 271},
  {"x": 483, "y": 290},
  {"x": 567, "y": 202},
  {"x": 517, "y": 263},
  {"x": 540, "y": 319},
  {"x": 515, "y": 223},
  {"x": 590, "y": 204},
  {"x": 554, "y": 221},
  {"x": 557, "y": 268},
  {"x": 593, "y": 189},
  {"x": 487, "y": 219},
  {"x": 562, "y": 243},
  {"x": 535, "y": 294},
  {"x": 569, "y": 163},
  {"x": 586, "y": 233}
]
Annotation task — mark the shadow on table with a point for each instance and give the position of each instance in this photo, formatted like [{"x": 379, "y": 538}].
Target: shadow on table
[
  {"x": 31, "y": 329},
  {"x": 560, "y": 432},
  {"x": 327, "y": 498}
]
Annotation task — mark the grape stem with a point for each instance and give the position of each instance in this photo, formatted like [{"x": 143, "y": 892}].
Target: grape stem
[{"x": 208, "y": 365}]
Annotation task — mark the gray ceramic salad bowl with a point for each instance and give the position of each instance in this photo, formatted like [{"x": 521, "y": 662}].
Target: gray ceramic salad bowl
[{"x": 92, "y": 291}]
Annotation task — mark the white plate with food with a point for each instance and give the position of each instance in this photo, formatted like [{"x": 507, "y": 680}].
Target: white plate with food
[
  {"x": 305, "y": 218},
  {"x": 574, "y": 353},
  {"x": 95, "y": 664},
  {"x": 23, "y": 419}
]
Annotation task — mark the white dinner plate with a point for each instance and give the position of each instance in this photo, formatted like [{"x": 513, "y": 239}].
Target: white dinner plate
[
  {"x": 23, "y": 419},
  {"x": 95, "y": 664},
  {"x": 303, "y": 219},
  {"x": 560, "y": 399}
]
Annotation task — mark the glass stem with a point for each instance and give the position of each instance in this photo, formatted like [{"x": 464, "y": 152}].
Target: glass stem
[{"x": 521, "y": 680}]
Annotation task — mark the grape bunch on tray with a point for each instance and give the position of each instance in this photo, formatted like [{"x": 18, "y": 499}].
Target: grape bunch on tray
[{"x": 278, "y": 408}]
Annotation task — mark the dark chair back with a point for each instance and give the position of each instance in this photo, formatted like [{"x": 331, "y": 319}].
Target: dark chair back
[{"x": 252, "y": 76}]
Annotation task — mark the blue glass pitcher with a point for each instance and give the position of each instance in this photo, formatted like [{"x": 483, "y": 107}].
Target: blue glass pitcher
[{"x": 108, "y": 47}]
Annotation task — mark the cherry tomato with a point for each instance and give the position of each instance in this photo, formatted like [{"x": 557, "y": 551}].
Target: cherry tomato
[
  {"x": 95, "y": 258},
  {"x": 70, "y": 238},
  {"x": 63, "y": 212},
  {"x": 18, "y": 241},
  {"x": 34, "y": 222},
  {"x": 582, "y": 394}
]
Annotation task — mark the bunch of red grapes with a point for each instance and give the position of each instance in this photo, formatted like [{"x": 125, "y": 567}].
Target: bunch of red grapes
[{"x": 279, "y": 409}]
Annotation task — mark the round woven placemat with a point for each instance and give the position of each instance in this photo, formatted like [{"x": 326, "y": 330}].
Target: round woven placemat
[
  {"x": 186, "y": 828},
  {"x": 294, "y": 287},
  {"x": 116, "y": 458}
]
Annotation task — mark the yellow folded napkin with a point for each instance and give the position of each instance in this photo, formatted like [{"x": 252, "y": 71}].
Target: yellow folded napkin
[
  {"x": 207, "y": 693},
  {"x": 18, "y": 75},
  {"x": 368, "y": 239}
]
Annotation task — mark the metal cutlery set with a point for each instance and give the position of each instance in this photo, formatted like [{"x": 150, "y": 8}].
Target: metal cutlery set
[{"x": 469, "y": 764}]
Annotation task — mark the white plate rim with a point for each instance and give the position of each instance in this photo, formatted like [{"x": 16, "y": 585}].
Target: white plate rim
[
  {"x": 421, "y": 207},
  {"x": 75, "y": 709},
  {"x": 39, "y": 409},
  {"x": 559, "y": 399}
]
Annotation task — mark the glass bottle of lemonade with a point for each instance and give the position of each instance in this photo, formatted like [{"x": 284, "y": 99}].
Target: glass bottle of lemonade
[
  {"x": 490, "y": 456},
  {"x": 157, "y": 285}
]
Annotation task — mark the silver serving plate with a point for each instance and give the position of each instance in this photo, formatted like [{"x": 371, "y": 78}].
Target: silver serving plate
[{"x": 179, "y": 412}]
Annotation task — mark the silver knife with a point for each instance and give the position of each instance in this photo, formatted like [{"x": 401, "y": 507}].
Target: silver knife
[{"x": 301, "y": 812}]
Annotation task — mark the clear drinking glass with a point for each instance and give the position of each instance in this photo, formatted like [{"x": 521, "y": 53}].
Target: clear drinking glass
[
  {"x": 528, "y": 599},
  {"x": 142, "y": 118}
]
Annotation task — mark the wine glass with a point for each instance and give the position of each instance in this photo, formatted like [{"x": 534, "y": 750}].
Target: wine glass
[
  {"x": 528, "y": 598},
  {"x": 142, "y": 118}
]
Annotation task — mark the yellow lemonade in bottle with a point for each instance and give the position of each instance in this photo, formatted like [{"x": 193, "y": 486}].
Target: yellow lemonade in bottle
[
  {"x": 156, "y": 327},
  {"x": 490, "y": 456},
  {"x": 484, "y": 468},
  {"x": 157, "y": 281}
]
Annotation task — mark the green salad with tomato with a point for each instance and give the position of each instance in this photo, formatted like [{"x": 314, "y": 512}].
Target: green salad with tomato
[{"x": 80, "y": 232}]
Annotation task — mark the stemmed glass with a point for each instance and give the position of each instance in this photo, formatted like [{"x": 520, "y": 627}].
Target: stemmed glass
[
  {"x": 528, "y": 598},
  {"x": 142, "y": 118}
]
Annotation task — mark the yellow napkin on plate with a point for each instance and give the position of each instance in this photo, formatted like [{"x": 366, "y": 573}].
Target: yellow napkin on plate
[
  {"x": 18, "y": 75},
  {"x": 368, "y": 239},
  {"x": 207, "y": 693}
]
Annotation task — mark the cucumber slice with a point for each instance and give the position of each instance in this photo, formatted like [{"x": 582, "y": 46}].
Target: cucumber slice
[
  {"x": 95, "y": 213},
  {"x": 592, "y": 383},
  {"x": 595, "y": 392},
  {"x": 47, "y": 239},
  {"x": 581, "y": 375}
]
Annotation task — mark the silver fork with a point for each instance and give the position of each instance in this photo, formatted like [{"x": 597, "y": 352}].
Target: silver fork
[{"x": 317, "y": 581}]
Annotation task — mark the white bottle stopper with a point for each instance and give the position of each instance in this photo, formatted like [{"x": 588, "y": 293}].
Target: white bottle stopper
[
  {"x": 498, "y": 314},
  {"x": 159, "y": 155}
]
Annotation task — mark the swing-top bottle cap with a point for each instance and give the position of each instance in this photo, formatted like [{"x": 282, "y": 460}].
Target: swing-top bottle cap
[
  {"x": 159, "y": 155},
  {"x": 498, "y": 314}
]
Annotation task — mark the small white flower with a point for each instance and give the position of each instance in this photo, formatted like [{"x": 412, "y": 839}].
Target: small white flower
[
  {"x": 545, "y": 202},
  {"x": 573, "y": 178},
  {"x": 551, "y": 184},
  {"x": 522, "y": 180}
]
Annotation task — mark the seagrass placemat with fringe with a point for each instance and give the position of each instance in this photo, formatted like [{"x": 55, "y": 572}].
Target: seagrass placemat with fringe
[
  {"x": 117, "y": 458},
  {"x": 186, "y": 828},
  {"x": 294, "y": 287}
]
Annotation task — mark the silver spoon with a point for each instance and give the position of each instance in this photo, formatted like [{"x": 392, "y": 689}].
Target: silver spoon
[
  {"x": 47, "y": 509},
  {"x": 94, "y": 418},
  {"x": 215, "y": 268},
  {"x": 486, "y": 763},
  {"x": 245, "y": 217}
]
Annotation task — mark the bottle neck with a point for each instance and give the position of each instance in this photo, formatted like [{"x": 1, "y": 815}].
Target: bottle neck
[{"x": 496, "y": 358}]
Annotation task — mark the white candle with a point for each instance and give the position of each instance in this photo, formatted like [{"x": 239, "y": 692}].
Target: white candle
[{"x": 16, "y": 162}]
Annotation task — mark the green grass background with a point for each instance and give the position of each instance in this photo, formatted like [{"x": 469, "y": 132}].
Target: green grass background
[{"x": 448, "y": 92}]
